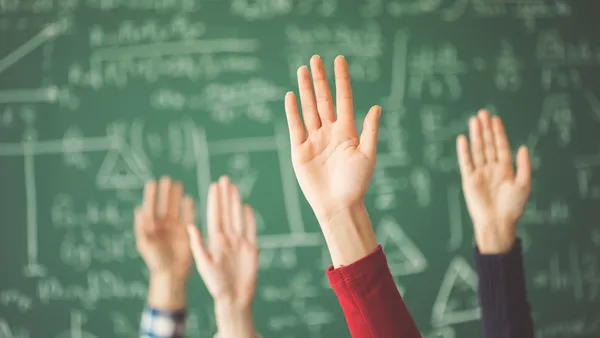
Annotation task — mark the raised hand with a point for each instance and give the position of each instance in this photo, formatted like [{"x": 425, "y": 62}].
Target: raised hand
[
  {"x": 333, "y": 165},
  {"x": 162, "y": 240},
  {"x": 495, "y": 195},
  {"x": 229, "y": 265}
]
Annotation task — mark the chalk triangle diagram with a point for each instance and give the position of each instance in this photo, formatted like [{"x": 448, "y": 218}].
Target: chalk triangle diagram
[
  {"x": 456, "y": 301},
  {"x": 400, "y": 288},
  {"x": 442, "y": 332},
  {"x": 404, "y": 257},
  {"x": 122, "y": 169},
  {"x": 6, "y": 331}
]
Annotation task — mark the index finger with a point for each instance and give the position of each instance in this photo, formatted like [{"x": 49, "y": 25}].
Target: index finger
[
  {"x": 295, "y": 126},
  {"x": 149, "y": 202},
  {"x": 465, "y": 163}
]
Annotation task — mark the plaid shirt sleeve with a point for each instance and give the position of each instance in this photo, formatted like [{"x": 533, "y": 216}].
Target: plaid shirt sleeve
[{"x": 162, "y": 324}]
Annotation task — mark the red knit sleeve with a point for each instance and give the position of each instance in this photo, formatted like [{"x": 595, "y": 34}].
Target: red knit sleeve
[{"x": 370, "y": 300}]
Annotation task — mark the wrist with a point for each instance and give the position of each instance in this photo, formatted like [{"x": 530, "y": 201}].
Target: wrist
[
  {"x": 234, "y": 320},
  {"x": 226, "y": 308},
  {"x": 495, "y": 239},
  {"x": 349, "y": 234},
  {"x": 167, "y": 291}
]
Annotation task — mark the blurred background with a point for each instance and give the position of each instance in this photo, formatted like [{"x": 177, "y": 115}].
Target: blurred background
[{"x": 97, "y": 96}]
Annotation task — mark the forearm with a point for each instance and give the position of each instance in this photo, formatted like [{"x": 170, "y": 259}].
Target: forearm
[
  {"x": 166, "y": 292},
  {"x": 361, "y": 278},
  {"x": 371, "y": 302},
  {"x": 164, "y": 315},
  {"x": 503, "y": 295},
  {"x": 234, "y": 321},
  {"x": 349, "y": 235}
]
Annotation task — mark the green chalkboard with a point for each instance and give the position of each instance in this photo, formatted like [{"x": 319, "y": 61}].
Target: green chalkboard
[{"x": 97, "y": 96}]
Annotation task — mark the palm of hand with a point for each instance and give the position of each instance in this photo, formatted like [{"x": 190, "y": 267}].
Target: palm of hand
[
  {"x": 495, "y": 194},
  {"x": 167, "y": 249},
  {"x": 233, "y": 274},
  {"x": 331, "y": 157},
  {"x": 491, "y": 193}
]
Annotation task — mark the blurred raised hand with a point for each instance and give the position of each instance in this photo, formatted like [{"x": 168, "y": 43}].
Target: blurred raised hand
[
  {"x": 162, "y": 241},
  {"x": 228, "y": 263},
  {"x": 495, "y": 193}
]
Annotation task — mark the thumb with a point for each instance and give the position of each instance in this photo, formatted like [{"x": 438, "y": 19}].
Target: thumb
[
  {"x": 201, "y": 255},
  {"x": 523, "y": 176},
  {"x": 370, "y": 132}
]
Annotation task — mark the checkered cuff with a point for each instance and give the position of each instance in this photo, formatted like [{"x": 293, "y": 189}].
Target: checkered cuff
[{"x": 162, "y": 324}]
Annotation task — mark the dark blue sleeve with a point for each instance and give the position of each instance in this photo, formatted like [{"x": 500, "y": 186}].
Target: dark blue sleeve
[{"x": 503, "y": 295}]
